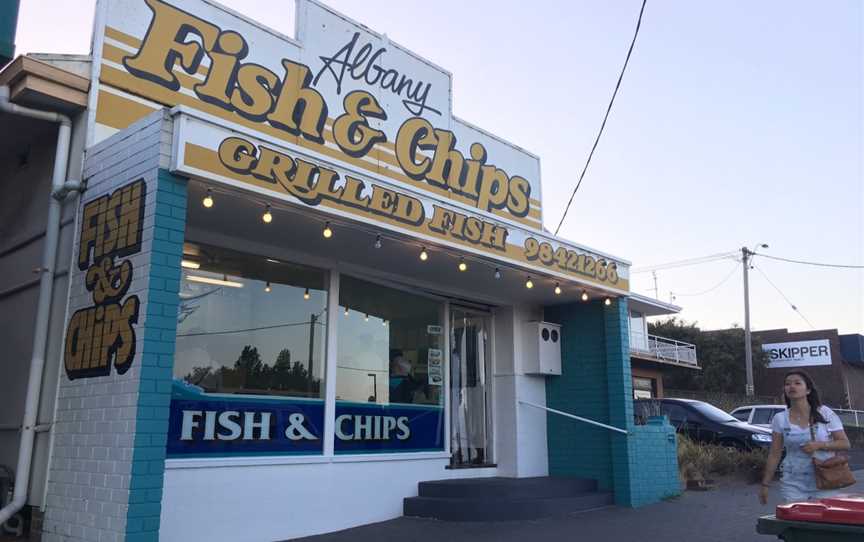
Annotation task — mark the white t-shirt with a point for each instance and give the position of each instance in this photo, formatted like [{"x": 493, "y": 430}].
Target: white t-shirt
[{"x": 780, "y": 423}]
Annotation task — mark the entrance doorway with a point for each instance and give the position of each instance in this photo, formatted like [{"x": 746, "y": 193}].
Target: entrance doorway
[{"x": 470, "y": 364}]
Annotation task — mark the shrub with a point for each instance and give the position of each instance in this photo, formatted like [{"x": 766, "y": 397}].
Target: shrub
[{"x": 700, "y": 461}]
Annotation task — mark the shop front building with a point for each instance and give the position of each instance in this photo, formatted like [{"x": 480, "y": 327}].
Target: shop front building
[{"x": 299, "y": 286}]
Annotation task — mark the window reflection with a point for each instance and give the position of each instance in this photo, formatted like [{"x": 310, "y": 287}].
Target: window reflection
[
  {"x": 251, "y": 325},
  {"x": 389, "y": 345}
]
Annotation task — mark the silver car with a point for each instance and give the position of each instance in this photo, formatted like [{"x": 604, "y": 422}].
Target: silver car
[{"x": 758, "y": 415}]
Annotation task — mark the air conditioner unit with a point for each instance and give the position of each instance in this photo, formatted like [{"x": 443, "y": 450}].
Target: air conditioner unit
[{"x": 542, "y": 348}]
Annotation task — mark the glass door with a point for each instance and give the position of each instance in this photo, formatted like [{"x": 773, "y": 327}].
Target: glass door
[{"x": 469, "y": 364}]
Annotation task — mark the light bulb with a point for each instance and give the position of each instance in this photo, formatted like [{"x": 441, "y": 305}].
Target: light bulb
[
  {"x": 208, "y": 199},
  {"x": 462, "y": 265},
  {"x": 328, "y": 233},
  {"x": 346, "y": 311},
  {"x": 529, "y": 283},
  {"x": 424, "y": 255},
  {"x": 557, "y": 289},
  {"x": 378, "y": 241},
  {"x": 584, "y": 295},
  {"x": 497, "y": 274},
  {"x": 306, "y": 294},
  {"x": 267, "y": 287},
  {"x": 267, "y": 217},
  {"x": 366, "y": 318},
  {"x": 383, "y": 322},
  {"x": 607, "y": 302}
]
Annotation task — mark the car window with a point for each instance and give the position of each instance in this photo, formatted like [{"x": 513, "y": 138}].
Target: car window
[
  {"x": 676, "y": 413},
  {"x": 711, "y": 412},
  {"x": 763, "y": 416},
  {"x": 743, "y": 414}
]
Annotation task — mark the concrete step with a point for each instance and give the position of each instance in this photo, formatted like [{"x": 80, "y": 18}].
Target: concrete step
[
  {"x": 506, "y": 488},
  {"x": 484, "y": 509}
]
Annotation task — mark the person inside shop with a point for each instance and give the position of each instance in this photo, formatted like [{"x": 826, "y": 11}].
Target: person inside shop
[
  {"x": 402, "y": 382},
  {"x": 808, "y": 430}
]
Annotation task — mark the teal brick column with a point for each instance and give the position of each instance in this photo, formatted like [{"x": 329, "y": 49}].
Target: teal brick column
[
  {"x": 596, "y": 383},
  {"x": 578, "y": 449},
  {"x": 157, "y": 361}
]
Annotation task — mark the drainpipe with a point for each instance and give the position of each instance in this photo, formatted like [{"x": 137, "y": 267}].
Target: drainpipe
[{"x": 60, "y": 187}]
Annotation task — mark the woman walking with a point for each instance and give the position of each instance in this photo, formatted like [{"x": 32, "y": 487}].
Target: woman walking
[{"x": 807, "y": 429}]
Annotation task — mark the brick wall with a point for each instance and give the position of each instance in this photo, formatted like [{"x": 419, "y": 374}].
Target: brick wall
[
  {"x": 595, "y": 383},
  {"x": 105, "y": 428}
]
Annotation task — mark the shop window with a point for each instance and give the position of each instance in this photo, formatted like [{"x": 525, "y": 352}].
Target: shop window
[
  {"x": 249, "y": 364},
  {"x": 390, "y": 362},
  {"x": 251, "y": 325}
]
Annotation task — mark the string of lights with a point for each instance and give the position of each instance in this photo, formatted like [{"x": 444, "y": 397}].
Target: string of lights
[{"x": 208, "y": 202}]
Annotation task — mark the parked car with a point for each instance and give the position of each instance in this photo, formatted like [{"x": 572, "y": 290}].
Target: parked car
[
  {"x": 758, "y": 415},
  {"x": 703, "y": 422}
]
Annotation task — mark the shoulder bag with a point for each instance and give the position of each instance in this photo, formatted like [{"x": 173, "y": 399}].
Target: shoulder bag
[{"x": 832, "y": 473}]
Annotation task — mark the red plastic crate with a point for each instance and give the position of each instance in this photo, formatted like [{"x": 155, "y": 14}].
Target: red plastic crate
[{"x": 848, "y": 509}]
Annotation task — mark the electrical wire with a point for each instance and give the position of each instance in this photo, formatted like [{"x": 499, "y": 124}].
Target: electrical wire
[
  {"x": 230, "y": 331},
  {"x": 709, "y": 290},
  {"x": 818, "y": 264},
  {"x": 605, "y": 117},
  {"x": 684, "y": 263},
  {"x": 794, "y": 308}
]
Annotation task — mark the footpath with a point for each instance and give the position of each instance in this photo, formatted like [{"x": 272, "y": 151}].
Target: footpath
[{"x": 727, "y": 513}]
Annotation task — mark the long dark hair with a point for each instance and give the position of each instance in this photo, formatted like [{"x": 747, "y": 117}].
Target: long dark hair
[{"x": 812, "y": 397}]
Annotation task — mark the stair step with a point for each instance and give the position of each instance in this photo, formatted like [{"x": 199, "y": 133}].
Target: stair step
[
  {"x": 506, "y": 488},
  {"x": 482, "y": 509}
]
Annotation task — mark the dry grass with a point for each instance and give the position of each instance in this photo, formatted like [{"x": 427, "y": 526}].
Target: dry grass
[{"x": 699, "y": 461}]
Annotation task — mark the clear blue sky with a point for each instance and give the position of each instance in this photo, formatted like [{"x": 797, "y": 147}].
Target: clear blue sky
[{"x": 737, "y": 123}]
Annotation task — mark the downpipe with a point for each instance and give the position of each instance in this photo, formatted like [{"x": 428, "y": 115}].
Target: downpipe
[{"x": 60, "y": 188}]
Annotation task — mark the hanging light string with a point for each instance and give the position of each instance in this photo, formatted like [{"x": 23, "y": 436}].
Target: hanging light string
[{"x": 424, "y": 255}]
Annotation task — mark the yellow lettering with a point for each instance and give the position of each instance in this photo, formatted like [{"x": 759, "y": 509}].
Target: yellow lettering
[
  {"x": 351, "y": 131},
  {"x": 414, "y": 134}
]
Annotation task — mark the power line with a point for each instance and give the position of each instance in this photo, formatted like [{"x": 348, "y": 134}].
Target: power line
[
  {"x": 794, "y": 308},
  {"x": 683, "y": 263},
  {"x": 230, "y": 331},
  {"x": 818, "y": 264},
  {"x": 709, "y": 290},
  {"x": 605, "y": 117}
]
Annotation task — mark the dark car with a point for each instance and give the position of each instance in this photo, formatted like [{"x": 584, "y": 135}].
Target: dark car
[{"x": 704, "y": 422}]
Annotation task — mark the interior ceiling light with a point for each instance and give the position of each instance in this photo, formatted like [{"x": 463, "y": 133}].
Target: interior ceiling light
[
  {"x": 462, "y": 265},
  {"x": 218, "y": 282},
  {"x": 424, "y": 255},
  {"x": 267, "y": 217},
  {"x": 208, "y": 199},
  {"x": 557, "y": 289},
  {"x": 327, "y": 233},
  {"x": 529, "y": 283},
  {"x": 584, "y": 295},
  {"x": 189, "y": 264},
  {"x": 377, "y": 241}
]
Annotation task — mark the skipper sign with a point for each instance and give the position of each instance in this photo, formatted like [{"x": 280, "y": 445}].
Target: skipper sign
[{"x": 798, "y": 354}]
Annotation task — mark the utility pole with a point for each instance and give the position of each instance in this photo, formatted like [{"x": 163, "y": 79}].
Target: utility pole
[
  {"x": 746, "y": 255},
  {"x": 656, "y": 290},
  {"x": 748, "y": 350}
]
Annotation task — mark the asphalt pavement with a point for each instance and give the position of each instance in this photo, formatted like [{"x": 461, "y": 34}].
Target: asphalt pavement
[{"x": 727, "y": 513}]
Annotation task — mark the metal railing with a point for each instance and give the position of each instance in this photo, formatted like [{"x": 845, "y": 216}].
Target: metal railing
[
  {"x": 666, "y": 349},
  {"x": 574, "y": 417},
  {"x": 851, "y": 418}
]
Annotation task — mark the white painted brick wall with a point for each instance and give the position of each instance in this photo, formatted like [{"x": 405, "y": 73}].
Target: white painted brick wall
[{"x": 89, "y": 474}]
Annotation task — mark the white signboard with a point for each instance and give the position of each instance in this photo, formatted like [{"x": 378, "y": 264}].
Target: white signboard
[{"x": 798, "y": 354}]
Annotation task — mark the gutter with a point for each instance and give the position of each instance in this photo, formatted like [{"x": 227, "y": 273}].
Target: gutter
[{"x": 60, "y": 188}]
